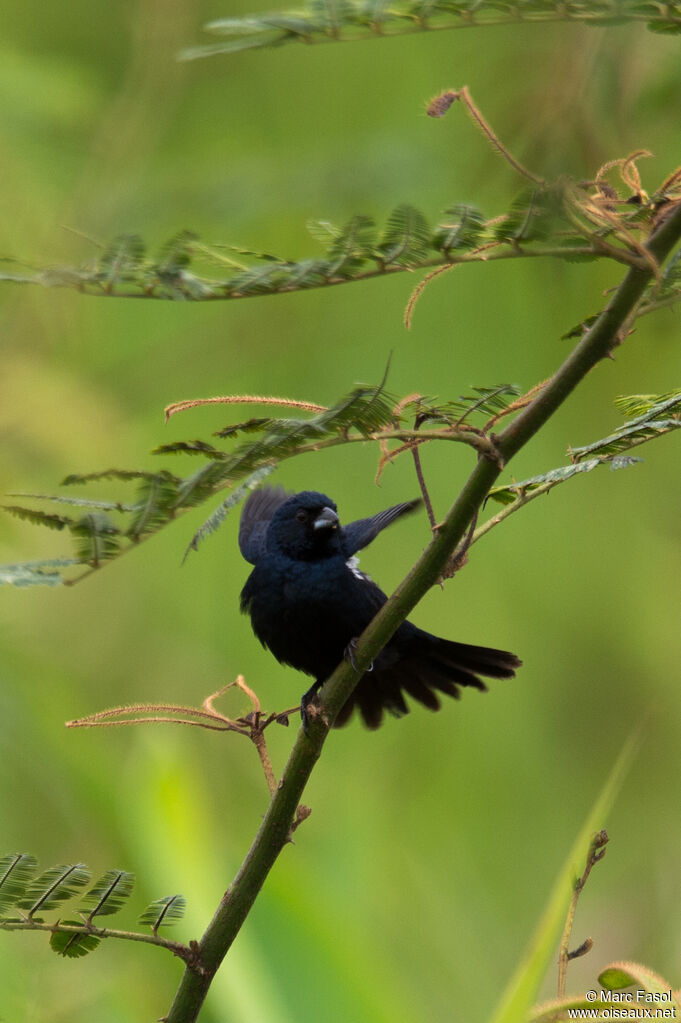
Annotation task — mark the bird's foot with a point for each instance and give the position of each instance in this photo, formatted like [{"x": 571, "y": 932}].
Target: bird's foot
[
  {"x": 309, "y": 707},
  {"x": 349, "y": 655}
]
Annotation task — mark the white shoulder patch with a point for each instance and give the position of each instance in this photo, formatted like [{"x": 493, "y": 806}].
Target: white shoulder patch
[{"x": 353, "y": 565}]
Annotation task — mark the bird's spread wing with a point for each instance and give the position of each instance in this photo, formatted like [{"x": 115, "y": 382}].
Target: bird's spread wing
[
  {"x": 360, "y": 533},
  {"x": 255, "y": 518}
]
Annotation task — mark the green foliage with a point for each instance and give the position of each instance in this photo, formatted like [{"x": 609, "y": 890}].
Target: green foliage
[
  {"x": 36, "y": 573},
  {"x": 121, "y": 261},
  {"x": 535, "y": 215},
  {"x": 75, "y": 944},
  {"x": 156, "y": 501},
  {"x": 365, "y": 413},
  {"x": 331, "y": 20},
  {"x": 54, "y": 886},
  {"x": 406, "y": 239},
  {"x": 20, "y": 888},
  {"x": 512, "y": 492},
  {"x": 461, "y": 229},
  {"x": 660, "y": 415},
  {"x": 108, "y": 894},
  {"x": 96, "y": 538},
  {"x": 16, "y": 873},
  {"x": 563, "y": 221},
  {"x": 214, "y": 521},
  {"x": 486, "y": 401},
  {"x": 38, "y": 518},
  {"x": 655, "y": 416},
  {"x": 163, "y": 912}
]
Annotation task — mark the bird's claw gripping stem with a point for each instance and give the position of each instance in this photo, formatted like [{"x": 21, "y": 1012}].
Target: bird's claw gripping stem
[
  {"x": 349, "y": 655},
  {"x": 306, "y": 700}
]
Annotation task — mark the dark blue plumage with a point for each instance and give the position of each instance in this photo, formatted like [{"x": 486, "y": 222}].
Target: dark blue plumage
[{"x": 308, "y": 601}]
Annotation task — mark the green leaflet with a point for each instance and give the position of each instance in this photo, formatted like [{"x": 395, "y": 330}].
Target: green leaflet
[
  {"x": 96, "y": 538},
  {"x": 108, "y": 894},
  {"x": 649, "y": 405},
  {"x": 79, "y": 502},
  {"x": 657, "y": 415},
  {"x": 74, "y": 945},
  {"x": 511, "y": 492},
  {"x": 156, "y": 499},
  {"x": 16, "y": 873},
  {"x": 486, "y": 401},
  {"x": 406, "y": 238},
  {"x": 54, "y": 886},
  {"x": 351, "y": 249},
  {"x": 215, "y": 520},
  {"x": 36, "y": 573},
  {"x": 121, "y": 261},
  {"x": 462, "y": 228},
  {"x": 125, "y": 475},
  {"x": 38, "y": 518},
  {"x": 176, "y": 254},
  {"x": 533, "y": 217},
  {"x": 163, "y": 912}
]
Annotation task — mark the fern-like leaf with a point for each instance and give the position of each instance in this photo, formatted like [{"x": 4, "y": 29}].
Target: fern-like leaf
[
  {"x": 189, "y": 447},
  {"x": 254, "y": 425},
  {"x": 328, "y": 20},
  {"x": 80, "y": 502},
  {"x": 649, "y": 405},
  {"x": 661, "y": 415},
  {"x": 96, "y": 538},
  {"x": 75, "y": 945},
  {"x": 485, "y": 401},
  {"x": 54, "y": 886},
  {"x": 510, "y": 492},
  {"x": 352, "y": 247},
  {"x": 108, "y": 894},
  {"x": 121, "y": 261},
  {"x": 175, "y": 255},
  {"x": 537, "y": 223},
  {"x": 38, "y": 518},
  {"x": 126, "y": 475},
  {"x": 532, "y": 217},
  {"x": 16, "y": 873},
  {"x": 406, "y": 238},
  {"x": 156, "y": 499},
  {"x": 461, "y": 228},
  {"x": 36, "y": 573},
  {"x": 163, "y": 912},
  {"x": 215, "y": 520}
]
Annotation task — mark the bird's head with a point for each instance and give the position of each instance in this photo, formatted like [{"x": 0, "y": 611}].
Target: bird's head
[{"x": 305, "y": 527}]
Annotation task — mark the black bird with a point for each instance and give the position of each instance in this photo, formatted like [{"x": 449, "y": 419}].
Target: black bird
[{"x": 308, "y": 602}]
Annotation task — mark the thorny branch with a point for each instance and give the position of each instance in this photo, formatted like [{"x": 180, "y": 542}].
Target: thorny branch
[{"x": 188, "y": 953}]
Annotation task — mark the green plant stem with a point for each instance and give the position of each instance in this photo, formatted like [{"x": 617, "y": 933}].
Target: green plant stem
[
  {"x": 176, "y": 947},
  {"x": 275, "y": 830},
  {"x": 221, "y": 291}
]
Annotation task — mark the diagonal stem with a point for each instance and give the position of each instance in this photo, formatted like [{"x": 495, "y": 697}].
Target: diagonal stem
[{"x": 275, "y": 829}]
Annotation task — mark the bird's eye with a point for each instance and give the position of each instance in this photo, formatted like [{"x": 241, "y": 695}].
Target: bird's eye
[{"x": 301, "y": 515}]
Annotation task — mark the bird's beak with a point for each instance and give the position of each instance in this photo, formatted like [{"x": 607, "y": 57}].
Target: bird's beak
[{"x": 327, "y": 519}]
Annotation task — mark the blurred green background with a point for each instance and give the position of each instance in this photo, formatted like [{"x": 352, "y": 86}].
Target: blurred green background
[{"x": 414, "y": 886}]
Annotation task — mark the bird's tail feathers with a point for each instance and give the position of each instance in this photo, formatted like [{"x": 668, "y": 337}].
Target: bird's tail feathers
[{"x": 436, "y": 666}]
